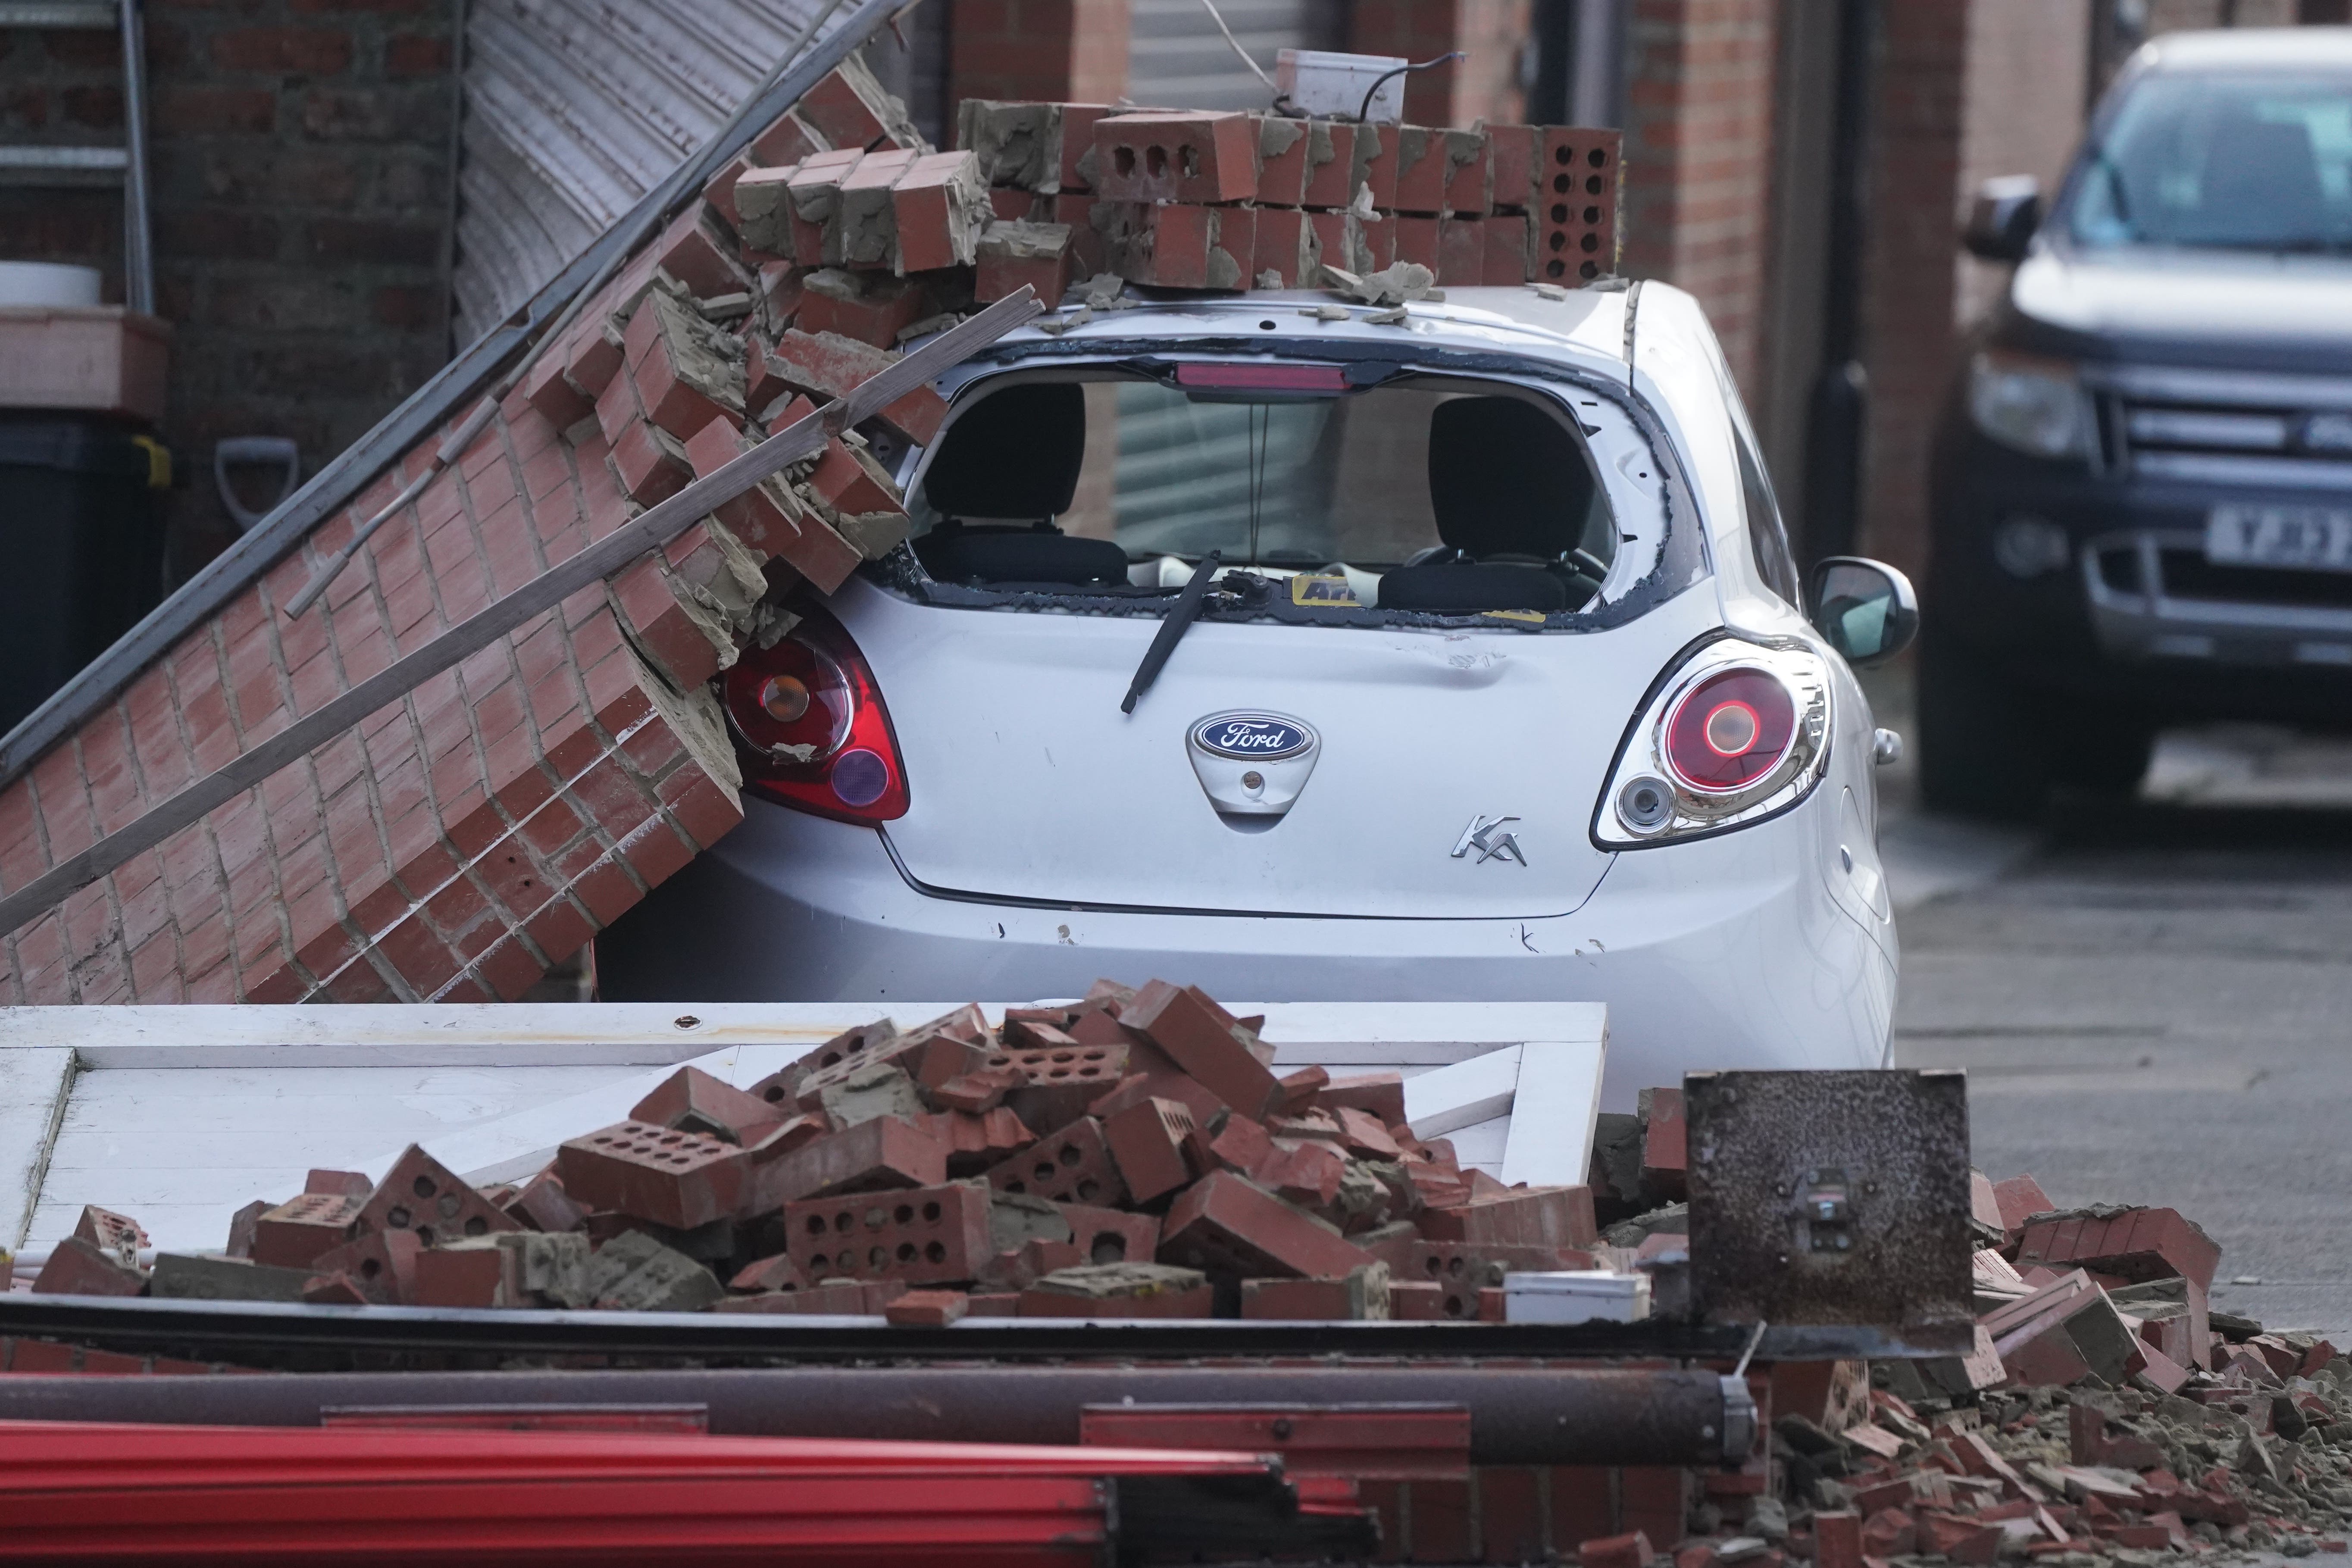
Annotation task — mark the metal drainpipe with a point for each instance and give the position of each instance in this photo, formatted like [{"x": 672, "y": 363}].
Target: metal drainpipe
[{"x": 1837, "y": 419}]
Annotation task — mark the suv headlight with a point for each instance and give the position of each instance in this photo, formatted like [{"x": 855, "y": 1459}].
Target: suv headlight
[
  {"x": 2031, "y": 404},
  {"x": 1737, "y": 733}
]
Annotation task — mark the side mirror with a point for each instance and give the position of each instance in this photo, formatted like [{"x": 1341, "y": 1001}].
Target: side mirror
[
  {"x": 2004, "y": 217},
  {"x": 1866, "y": 609}
]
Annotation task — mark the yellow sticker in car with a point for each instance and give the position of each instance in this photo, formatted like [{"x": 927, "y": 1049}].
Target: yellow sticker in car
[
  {"x": 1533, "y": 615},
  {"x": 1324, "y": 592}
]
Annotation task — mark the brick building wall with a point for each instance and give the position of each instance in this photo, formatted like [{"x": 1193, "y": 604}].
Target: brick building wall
[
  {"x": 1699, "y": 140},
  {"x": 300, "y": 151},
  {"x": 2028, "y": 74},
  {"x": 1494, "y": 34},
  {"x": 456, "y": 842},
  {"x": 1072, "y": 51}
]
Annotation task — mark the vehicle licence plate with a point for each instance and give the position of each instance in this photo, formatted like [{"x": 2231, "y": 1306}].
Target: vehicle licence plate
[{"x": 2312, "y": 539}]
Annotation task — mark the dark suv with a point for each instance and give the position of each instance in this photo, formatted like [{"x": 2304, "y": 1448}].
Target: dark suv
[{"x": 2142, "y": 491}]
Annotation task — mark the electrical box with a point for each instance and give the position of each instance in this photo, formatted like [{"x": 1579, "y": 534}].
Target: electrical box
[{"x": 1331, "y": 86}]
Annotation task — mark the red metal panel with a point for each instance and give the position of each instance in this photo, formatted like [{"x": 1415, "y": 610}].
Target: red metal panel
[{"x": 196, "y": 1494}]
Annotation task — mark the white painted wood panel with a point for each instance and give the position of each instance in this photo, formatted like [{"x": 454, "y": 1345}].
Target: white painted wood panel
[
  {"x": 32, "y": 1081},
  {"x": 181, "y": 1115},
  {"x": 1554, "y": 1111}
]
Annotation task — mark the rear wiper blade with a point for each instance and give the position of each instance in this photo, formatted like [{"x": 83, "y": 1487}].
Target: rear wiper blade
[{"x": 1172, "y": 630}]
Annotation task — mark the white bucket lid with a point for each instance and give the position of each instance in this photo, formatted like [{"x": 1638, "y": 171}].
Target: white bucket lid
[{"x": 48, "y": 283}]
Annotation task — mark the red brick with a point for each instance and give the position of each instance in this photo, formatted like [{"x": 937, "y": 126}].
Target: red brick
[
  {"x": 1074, "y": 1164},
  {"x": 1198, "y": 1035},
  {"x": 422, "y": 1197},
  {"x": 1180, "y": 247},
  {"x": 1461, "y": 252},
  {"x": 883, "y": 1154},
  {"x": 382, "y": 1266},
  {"x": 871, "y": 308},
  {"x": 649, "y": 1171},
  {"x": 1837, "y": 1538},
  {"x": 691, "y": 1101},
  {"x": 1288, "y": 248},
  {"x": 1111, "y": 1235},
  {"x": 1173, "y": 156},
  {"x": 2138, "y": 1244},
  {"x": 1376, "y": 154},
  {"x": 939, "y": 206},
  {"x": 469, "y": 1277},
  {"x": 1364, "y": 1294},
  {"x": 827, "y": 366},
  {"x": 1576, "y": 236},
  {"x": 1015, "y": 256},
  {"x": 927, "y": 1309},
  {"x": 1543, "y": 1216},
  {"x": 296, "y": 1232},
  {"x": 846, "y": 109},
  {"x": 1149, "y": 1142},
  {"x": 77, "y": 1267},
  {"x": 1228, "y": 1223},
  {"x": 1631, "y": 1551},
  {"x": 693, "y": 250},
  {"x": 1331, "y": 183},
  {"x": 814, "y": 190},
  {"x": 923, "y": 1235},
  {"x": 2021, "y": 1198},
  {"x": 1515, "y": 152}
]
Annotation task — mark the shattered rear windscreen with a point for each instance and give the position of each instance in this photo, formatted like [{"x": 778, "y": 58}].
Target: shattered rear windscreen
[{"x": 1130, "y": 482}]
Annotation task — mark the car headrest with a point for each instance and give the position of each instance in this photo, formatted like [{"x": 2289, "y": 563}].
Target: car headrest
[
  {"x": 2261, "y": 179},
  {"x": 1504, "y": 477},
  {"x": 1013, "y": 454}
]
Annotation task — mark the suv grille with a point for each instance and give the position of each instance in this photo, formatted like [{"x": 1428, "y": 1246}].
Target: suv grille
[{"x": 2229, "y": 429}]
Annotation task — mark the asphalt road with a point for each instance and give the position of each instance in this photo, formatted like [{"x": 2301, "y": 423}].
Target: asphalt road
[{"x": 2153, "y": 1001}]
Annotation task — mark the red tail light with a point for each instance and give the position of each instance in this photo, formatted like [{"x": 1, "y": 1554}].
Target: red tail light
[
  {"x": 811, "y": 727},
  {"x": 1730, "y": 730}
]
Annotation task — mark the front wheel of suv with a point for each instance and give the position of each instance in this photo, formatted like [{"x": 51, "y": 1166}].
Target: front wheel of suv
[{"x": 1990, "y": 749}]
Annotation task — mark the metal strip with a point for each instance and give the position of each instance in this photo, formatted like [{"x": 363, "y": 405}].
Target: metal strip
[
  {"x": 332, "y": 487},
  {"x": 650, "y": 531}
]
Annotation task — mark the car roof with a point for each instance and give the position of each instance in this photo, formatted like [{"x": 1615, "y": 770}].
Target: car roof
[
  {"x": 2250, "y": 49},
  {"x": 1584, "y": 328}
]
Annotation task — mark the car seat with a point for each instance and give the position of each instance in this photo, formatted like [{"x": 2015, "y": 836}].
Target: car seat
[
  {"x": 1013, "y": 458},
  {"x": 1509, "y": 490},
  {"x": 2261, "y": 183}
]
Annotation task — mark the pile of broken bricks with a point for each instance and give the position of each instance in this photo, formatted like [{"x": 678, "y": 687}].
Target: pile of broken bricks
[
  {"x": 837, "y": 236},
  {"x": 1132, "y": 1155},
  {"x": 2109, "y": 1414}
]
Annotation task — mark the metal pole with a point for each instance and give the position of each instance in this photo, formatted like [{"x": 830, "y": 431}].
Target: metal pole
[{"x": 138, "y": 244}]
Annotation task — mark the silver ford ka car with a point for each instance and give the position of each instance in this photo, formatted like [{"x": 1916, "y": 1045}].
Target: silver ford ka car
[{"x": 1309, "y": 655}]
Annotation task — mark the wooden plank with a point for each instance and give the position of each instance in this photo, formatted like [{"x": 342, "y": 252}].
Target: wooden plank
[
  {"x": 1553, "y": 1112},
  {"x": 1448, "y": 1098},
  {"x": 34, "y": 1085}
]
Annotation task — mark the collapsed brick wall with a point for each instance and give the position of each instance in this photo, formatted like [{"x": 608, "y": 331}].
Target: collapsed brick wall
[
  {"x": 299, "y": 162},
  {"x": 460, "y": 841}
]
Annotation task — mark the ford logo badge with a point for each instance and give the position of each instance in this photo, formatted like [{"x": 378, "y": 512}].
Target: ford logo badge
[{"x": 1251, "y": 737}]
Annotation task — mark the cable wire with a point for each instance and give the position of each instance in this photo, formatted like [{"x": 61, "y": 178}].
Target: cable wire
[{"x": 1218, "y": 17}]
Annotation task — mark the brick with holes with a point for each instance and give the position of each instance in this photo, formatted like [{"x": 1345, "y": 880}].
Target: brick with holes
[
  {"x": 118, "y": 1235},
  {"x": 1072, "y": 1164},
  {"x": 1111, "y": 1235},
  {"x": 1059, "y": 1082},
  {"x": 924, "y": 1236},
  {"x": 1576, "y": 228},
  {"x": 651, "y": 1171},
  {"x": 1176, "y": 156},
  {"x": 296, "y": 1232},
  {"x": 421, "y": 1196},
  {"x": 382, "y": 1266},
  {"x": 691, "y": 1101},
  {"x": 883, "y": 1154},
  {"x": 340, "y": 1183},
  {"x": 1151, "y": 1143}
]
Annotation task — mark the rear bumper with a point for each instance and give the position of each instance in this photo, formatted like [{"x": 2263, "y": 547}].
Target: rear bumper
[{"x": 1727, "y": 952}]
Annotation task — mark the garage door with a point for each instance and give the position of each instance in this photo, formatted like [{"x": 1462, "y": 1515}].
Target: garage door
[{"x": 1176, "y": 55}]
